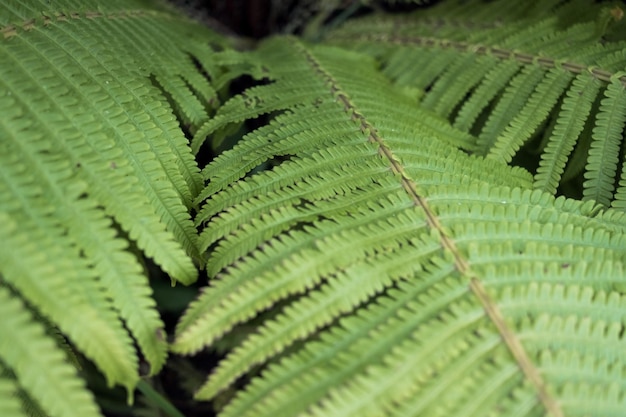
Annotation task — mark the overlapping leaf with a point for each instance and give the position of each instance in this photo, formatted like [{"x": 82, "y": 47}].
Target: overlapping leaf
[
  {"x": 523, "y": 79},
  {"x": 93, "y": 163},
  {"x": 382, "y": 270}
]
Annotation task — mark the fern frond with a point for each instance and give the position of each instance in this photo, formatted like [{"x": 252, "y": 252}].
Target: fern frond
[
  {"x": 575, "y": 110},
  {"x": 40, "y": 366},
  {"x": 392, "y": 264},
  {"x": 69, "y": 291},
  {"x": 604, "y": 153},
  {"x": 493, "y": 82},
  {"x": 29, "y": 407},
  {"x": 110, "y": 143},
  {"x": 92, "y": 232},
  {"x": 457, "y": 81},
  {"x": 530, "y": 116},
  {"x": 511, "y": 103},
  {"x": 361, "y": 170},
  {"x": 93, "y": 165},
  {"x": 10, "y": 404},
  {"x": 192, "y": 111},
  {"x": 500, "y": 72}
]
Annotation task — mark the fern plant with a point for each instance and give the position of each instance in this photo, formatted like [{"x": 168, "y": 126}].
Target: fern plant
[
  {"x": 388, "y": 272},
  {"x": 430, "y": 222},
  {"x": 535, "y": 78},
  {"x": 95, "y": 174}
]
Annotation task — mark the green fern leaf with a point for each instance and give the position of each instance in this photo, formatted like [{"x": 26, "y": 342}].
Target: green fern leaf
[
  {"x": 497, "y": 71},
  {"x": 494, "y": 81},
  {"x": 511, "y": 104},
  {"x": 192, "y": 111},
  {"x": 351, "y": 176},
  {"x": 391, "y": 265},
  {"x": 90, "y": 229},
  {"x": 39, "y": 364},
  {"x": 97, "y": 147},
  {"x": 69, "y": 291},
  {"x": 531, "y": 115},
  {"x": 93, "y": 165},
  {"x": 604, "y": 152},
  {"x": 28, "y": 405},
  {"x": 455, "y": 83},
  {"x": 575, "y": 109},
  {"x": 10, "y": 404}
]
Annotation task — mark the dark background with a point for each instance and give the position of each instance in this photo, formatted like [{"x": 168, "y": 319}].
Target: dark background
[{"x": 260, "y": 18}]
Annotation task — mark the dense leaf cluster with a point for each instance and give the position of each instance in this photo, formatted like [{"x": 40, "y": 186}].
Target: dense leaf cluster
[{"x": 428, "y": 218}]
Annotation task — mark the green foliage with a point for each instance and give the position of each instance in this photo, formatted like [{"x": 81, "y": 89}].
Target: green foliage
[
  {"x": 94, "y": 163},
  {"x": 532, "y": 77},
  {"x": 429, "y": 219}
]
